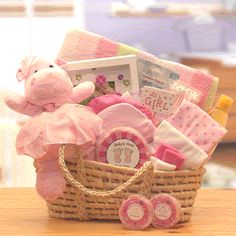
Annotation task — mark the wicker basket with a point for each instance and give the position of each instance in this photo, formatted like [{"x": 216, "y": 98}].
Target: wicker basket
[{"x": 96, "y": 190}]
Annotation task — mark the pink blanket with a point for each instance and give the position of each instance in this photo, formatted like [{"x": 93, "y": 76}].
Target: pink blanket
[{"x": 81, "y": 45}]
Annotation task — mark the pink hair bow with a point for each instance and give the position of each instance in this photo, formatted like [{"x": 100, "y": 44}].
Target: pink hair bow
[{"x": 26, "y": 66}]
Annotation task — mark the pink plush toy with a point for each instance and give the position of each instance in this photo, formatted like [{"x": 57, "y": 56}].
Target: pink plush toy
[
  {"x": 50, "y": 98},
  {"x": 47, "y": 87}
]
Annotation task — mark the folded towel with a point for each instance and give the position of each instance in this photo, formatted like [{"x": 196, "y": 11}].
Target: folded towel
[
  {"x": 161, "y": 149},
  {"x": 197, "y": 125},
  {"x": 195, "y": 157},
  {"x": 81, "y": 45},
  {"x": 161, "y": 165},
  {"x": 102, "y": 102},
  {"x": 170, "y": 155},
  {"x": 124, "y": 114},
  {"x": 174, "y": 158}
]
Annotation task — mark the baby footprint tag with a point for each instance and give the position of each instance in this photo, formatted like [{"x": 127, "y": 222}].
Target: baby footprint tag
[{"x": 123, "y": 146}]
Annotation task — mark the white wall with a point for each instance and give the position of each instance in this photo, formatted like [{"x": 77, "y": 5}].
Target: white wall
[{"x": 24, "y": 36}]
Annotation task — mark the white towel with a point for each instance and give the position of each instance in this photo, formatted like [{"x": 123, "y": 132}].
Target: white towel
[
  {"x": 166, "y": 133},
  {"x": 161, "y": 165}
]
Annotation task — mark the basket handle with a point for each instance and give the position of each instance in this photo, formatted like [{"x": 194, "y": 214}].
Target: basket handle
[{"x": 147, "y": 168}]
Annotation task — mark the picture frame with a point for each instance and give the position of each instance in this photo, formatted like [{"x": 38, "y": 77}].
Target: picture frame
[{"x": 110, "y": 75}]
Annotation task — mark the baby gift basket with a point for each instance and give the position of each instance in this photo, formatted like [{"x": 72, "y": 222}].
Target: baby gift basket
[
  {"x": 141, "y": 128},
  {"x": 96, "y": 190}
]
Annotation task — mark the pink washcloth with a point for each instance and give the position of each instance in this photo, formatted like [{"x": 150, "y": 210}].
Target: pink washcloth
[
  {"x": 100, "y": 103},
  {"x": 81, "y": 45},
  {"x": 161, "y": 150},
  {"x": 197, "y": 125},
  {"x": 124, "y": 114},
  {"x": 173, "y": 157}
]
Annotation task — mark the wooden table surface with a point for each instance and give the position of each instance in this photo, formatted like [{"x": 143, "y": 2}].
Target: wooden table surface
[{"x": 22, "y": 212}]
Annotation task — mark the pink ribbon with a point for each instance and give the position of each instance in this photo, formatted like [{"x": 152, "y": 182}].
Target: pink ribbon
[{"x": 50, "y": 107}]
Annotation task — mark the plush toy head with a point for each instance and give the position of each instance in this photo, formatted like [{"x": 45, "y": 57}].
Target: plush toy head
[
  {"x": 47, "y": 87},
  {"x": 45, "y": 82}
]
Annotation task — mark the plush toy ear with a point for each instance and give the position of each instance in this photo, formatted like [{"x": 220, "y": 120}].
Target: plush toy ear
[{"x": 60, "y": 62}]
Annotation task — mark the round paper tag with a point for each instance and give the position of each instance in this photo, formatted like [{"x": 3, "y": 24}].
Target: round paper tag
[
  {"x": 123, "y": 146},
  {"x": 135, "y": 212},
  {"x": 123, "y": 152},
  {"x": 162, "y": 211},
  {"x": 167, "y": 210}
]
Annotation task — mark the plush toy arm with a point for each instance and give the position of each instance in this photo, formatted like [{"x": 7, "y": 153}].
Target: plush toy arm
[
  {"x": 15, "y": 101},
  {"x": 18, "y": 103},
  {"x": 82, "y": 91}
]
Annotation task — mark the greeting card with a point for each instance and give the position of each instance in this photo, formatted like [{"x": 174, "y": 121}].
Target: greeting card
[{"x": 162, "y": 102}]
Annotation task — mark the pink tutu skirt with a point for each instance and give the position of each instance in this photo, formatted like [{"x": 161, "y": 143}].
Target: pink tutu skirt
[{"x": 69, "y": 124}]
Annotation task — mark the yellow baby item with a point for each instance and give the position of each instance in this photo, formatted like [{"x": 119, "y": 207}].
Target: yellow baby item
[{"x": 221, "y": 109}]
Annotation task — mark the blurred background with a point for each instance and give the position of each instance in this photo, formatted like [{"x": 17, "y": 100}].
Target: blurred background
[{"x": 201, "y": 34}]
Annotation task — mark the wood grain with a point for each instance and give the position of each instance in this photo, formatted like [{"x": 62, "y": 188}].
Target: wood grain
[{"x": 24, "y": 213}]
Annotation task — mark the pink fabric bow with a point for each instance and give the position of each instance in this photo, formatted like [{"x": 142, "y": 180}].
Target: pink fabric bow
[
  {"x": 50, "y": 107},
  {"x": 26, "y": 66}
]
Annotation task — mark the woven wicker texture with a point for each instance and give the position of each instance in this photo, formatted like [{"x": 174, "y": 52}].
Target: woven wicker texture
[{"x": 96, "y": 190}]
